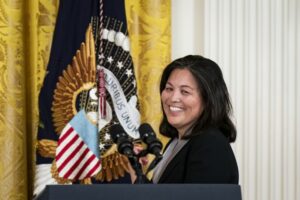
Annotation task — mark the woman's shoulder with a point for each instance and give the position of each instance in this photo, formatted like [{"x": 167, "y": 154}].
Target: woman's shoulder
[
  {"x": 210, "y": 138},
  {"x": 212, "y": 143},
  {"x": 214, "y": 155},
  {"x": 210, "y": 134}
]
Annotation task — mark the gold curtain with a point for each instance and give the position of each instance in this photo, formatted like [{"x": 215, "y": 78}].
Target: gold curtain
[
  {"x": 149, "y": 27},
  {"x": 26, "y": 30}
]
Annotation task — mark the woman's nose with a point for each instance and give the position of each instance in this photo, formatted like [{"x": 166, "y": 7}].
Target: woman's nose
[{"x": 175, "y": 96}]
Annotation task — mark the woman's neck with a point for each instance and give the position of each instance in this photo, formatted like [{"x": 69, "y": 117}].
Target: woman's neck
[{"x": 184, "y": 132}]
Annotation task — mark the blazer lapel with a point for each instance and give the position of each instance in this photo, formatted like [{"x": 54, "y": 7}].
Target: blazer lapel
[{"x": 171, "y": 168}]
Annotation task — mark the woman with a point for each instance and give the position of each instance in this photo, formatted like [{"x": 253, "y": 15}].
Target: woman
[{"x": 196, "y": 116}]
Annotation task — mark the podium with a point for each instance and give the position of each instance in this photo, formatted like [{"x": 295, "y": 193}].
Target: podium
[{"x": 141, "y": 191}]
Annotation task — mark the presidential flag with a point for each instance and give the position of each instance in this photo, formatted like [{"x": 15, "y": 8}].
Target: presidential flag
[{"x": 90, "y": 85}]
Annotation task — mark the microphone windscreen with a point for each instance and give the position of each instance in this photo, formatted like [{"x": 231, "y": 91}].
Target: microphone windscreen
[
  {"x": 116, "y": 131},
  {"x": 146, "y": 129}
]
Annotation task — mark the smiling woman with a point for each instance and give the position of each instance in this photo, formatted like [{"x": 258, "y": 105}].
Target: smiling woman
[
  {"x": 196, "y": 118},
  {"x": 181, "y": 100}
]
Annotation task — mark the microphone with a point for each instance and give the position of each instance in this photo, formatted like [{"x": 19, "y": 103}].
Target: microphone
[
  {"x": 148, "y": 136},
  {"x": 122, "y": 140}
]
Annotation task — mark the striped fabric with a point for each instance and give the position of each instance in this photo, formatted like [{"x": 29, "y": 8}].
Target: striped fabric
[{"x": 74, "y": 159}]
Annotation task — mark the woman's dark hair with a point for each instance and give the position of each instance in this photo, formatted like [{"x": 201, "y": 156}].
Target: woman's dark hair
[{"x": 212, "y": 88}]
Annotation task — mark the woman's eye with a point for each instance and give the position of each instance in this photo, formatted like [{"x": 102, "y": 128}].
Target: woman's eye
[
  {"x": 185, "y": 92},
  {"x": 168, "y": 89}
]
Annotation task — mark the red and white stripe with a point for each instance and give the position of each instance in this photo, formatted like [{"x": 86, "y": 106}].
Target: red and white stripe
[{"x": 74, "y": 160}]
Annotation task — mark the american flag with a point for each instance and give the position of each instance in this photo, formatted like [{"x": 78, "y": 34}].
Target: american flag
[{"x": 77, "y": 156}]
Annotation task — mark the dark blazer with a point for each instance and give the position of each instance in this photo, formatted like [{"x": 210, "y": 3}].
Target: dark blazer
[{"x": 205, "y": 158}]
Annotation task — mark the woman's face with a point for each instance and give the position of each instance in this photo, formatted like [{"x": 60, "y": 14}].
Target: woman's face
[{"x": 181, "y": 100}]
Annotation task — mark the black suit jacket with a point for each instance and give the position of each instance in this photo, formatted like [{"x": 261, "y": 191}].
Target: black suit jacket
[{"x": 205, "y": 158}]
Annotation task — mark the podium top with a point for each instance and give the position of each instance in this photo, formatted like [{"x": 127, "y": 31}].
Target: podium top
[{"x": 142, "y": 191}]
